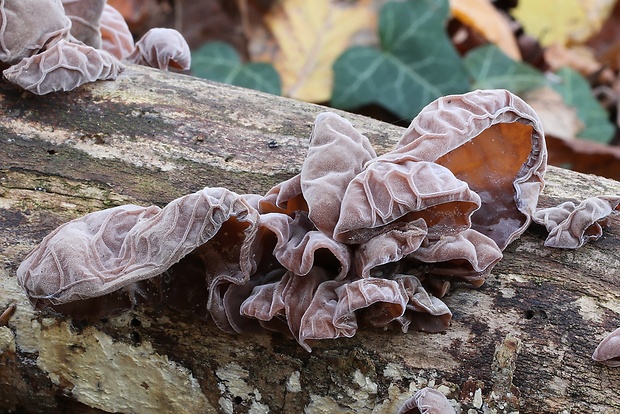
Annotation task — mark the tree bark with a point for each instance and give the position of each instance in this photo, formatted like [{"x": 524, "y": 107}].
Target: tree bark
[{"x": 520, "y": 343}]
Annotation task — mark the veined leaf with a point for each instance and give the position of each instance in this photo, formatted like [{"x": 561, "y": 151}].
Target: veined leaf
[
  {"x": 310, "y": 36},
  {"x": 416, "y": 64},
  {"x": 483, "y": 17},
  {"x": 576, "y": 92},
  {"x": 492, "y": 69},
  {"x": 559, "y": 119},
  {"x": 220, "y": 62}
]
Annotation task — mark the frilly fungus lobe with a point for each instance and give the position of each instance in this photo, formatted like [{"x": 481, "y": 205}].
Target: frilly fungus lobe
[
  {"x": 162, "y": 48},
  {"x": 492, "y": 140},
  {"x": 27, "y": 26},
  {"x": 355, "y": 238},
  {"x": 427, "y": 401},
  {"x": 108, "y": 250},
  {"x": 63, "y": 67},
  {"x": 115, "y": 35},
  {"x": 571, "y": 226},
  {"x": 47, "y": 57},
  {"x": 326, "y": 173},
  {"x": 54, "y": 48},
  {"x": 608, "y": 351},
  {"x": 85, "y": 18}
]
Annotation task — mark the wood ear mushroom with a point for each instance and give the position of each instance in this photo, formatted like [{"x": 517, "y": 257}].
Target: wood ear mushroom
[
  {"x": 427, "y": 401},
  {"x": 354, "y": 240},
  {"x": 50, "y": 48}
]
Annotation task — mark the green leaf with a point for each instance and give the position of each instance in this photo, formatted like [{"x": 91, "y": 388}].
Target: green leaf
[
  {"x": 220, "y": 62},
  {"x": 416, "y": 64},
  {"x": 492, "y": 69},
  {"x": 576, "y": 92}
]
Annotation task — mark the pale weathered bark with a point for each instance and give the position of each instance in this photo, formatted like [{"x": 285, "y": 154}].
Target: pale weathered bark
[{"x": 522, "y": 342}]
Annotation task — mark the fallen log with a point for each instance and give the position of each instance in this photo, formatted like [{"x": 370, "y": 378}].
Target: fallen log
[{"x": 520, "y": 343}]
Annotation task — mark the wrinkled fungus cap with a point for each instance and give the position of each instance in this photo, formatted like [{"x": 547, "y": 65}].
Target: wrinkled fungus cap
[
  {"x": 116, "y": 38},
  {"x": 386, "y": 192},
  {"x": 63, "y": 67},
  {"x": 27, "y": 26},
  {"x": 54, "y": 48},
  {"x": 492, "y": 140},
  {"x": 36, "y": 39},
  {"x": 337, "y": 153},
  {"x": 85, "y": 18},
  {"x": 114, "y": 248},
  {"x": 162, "y": 48}
]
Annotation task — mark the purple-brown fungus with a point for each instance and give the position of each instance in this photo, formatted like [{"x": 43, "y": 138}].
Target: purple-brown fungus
[
  {"x": 326, "y": 173},
  {"x": 115, "y": 35},
  {"x": 571, "y": 226},
  {"x": 85, "y": 18},
  {"x": 608, "y": 351},
  {"x": 111, "y": 249},
  {"x": 162, "y": 48},
  {"x": 46, "y": 56},
  {"x": 63, "y": 67},
  {"x": 492, "y": 140},
  {"x": 27, "y": 26},
  {"x": 51, "y": 48},
  {"x": 427, "y": 401},
  {"x": 354, "y": 240}
]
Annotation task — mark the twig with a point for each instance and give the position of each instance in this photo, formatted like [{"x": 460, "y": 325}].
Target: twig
[{"x": 6, "y": 315}]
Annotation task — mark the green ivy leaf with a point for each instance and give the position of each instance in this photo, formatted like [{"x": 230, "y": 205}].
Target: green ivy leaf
[
  {"x": 492, "y": 69},
  {"x": 417, "y": 62},
  {"x": 576, "y": 92},
  {"x": 220, "y": 62}
]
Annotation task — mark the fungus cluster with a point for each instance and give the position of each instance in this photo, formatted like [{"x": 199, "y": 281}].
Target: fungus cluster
[
  {"x": 354, "y": 238},
  {"x": 54, "y": 45}
]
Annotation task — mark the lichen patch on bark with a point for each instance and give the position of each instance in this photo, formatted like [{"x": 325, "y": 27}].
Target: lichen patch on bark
[{"x": 117, "y": 377}]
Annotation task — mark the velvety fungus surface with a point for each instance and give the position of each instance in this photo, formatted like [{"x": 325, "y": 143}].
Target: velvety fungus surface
[
  {"x": 54, "y": 45},
  {"x": 354, "y": 240}
]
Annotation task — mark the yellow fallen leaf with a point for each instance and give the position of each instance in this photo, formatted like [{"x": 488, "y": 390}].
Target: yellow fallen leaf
[
  {"x": 311, "y": 35},
  {"x": 484, "y": 18},
  {"x": 562, "y": 21}
]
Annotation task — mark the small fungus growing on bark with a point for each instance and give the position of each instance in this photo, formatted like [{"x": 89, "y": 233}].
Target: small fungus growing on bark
[
  {"x": 571, "y": 226},
  {"x": 50, "y": 48},
  {"x": 162, "y": 48},
  {"x": 45, "y": 56},
  {"x": 427, "y": 401},
  {"x": 608, "y": 351},
  {"x": 354, "y": 239}
]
